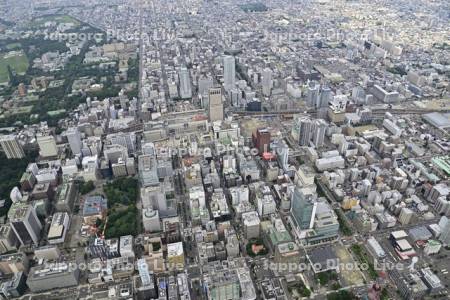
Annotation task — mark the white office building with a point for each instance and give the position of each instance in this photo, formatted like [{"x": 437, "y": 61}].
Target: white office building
[
  {"x": 229, "y": 72},
  {"x": 185, "y": 83},
  {"x": 74, "y": 138},
  {"x": 266, "y": 82}
]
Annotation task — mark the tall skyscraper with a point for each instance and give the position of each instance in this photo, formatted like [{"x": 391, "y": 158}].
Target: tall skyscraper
[
  {"x": 25, "y": 223},
  {"x": 303, "y": 208},
  {"x": 215, "y": 104},
  {"x": 8, "y": 239},
  {"x": 185, "y": 83},
  {"x": 325, "y": 97},
  {"x": 283, "y": 155},
  {"x": 266, "y": 82},
  {"x": 312, "y": 94},
  {"x": 11, "y": 147},
  {"x": 320, "y": 128},
  {"x": 204, "y": 84},
  {"x": 74, "y": 138},
  {"x": 229, "y": 72},
  {"x": 444, "y": 225},
  {"x": 306, "y": 131},
  {"x": 47, "y": 145}
]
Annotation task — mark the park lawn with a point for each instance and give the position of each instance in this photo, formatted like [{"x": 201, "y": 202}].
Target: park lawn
[
  {"x": 18, "y": 63},
  {"x": 55, "y": 18},
  {"x": 14, "y": 46}
]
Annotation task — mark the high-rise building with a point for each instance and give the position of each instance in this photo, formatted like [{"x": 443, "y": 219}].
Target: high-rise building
[
  {"x": 126, "y": 139},
  {"x": 326, "y": 225},
  {"x": 261, "y": 140},
  {"x": 266, "y": 82},
  {"x": 325, "y": 97},
  {"x": 11, "y": 147},
  {"x": 312, "y": 94},
  {"x": 215, "y": 104},
  {"x": 306, "y": 131},
  {"x": 185, "y": 83},
  {"x": 74, "y": 138},
  {"x": 320, "y": 129},
  {"x": 251, "y": 223},
  {"x": 25, "y": 223},
  {"x": 204, "y": 84},
  {"x": 444, "y": 225},
  {"x": 47, "y": 145},
  {"x": 229, "y": 72},
  {"x": 150, "y": 220},
  {"x": 148, "y": 170},
  {"x": 113, "y": 153},
  {"x": 283, "y": 155},
  {"x": 8, "y": 239},
  {"x": 303, "y": 208}
]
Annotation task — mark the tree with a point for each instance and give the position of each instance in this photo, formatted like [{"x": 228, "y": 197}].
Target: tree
[
  {"x": 341, "y": 295},
  {"x": 87, "y": 187},
  {"x": 12, "y": 170}
]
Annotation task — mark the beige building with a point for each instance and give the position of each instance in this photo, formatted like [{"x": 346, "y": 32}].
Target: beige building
[
  {"x": 47, "y": 145},
  {"x": 215, "y": 104}
]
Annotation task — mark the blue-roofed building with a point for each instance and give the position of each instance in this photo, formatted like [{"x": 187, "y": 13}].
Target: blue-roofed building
[{"x": 94, "y": 208}]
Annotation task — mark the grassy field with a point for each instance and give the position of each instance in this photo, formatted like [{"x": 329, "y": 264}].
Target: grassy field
[
  {"x": 54, "y": 18},
  {"x": 17, "y": 61},
  {"x": 13, "y": 46}
]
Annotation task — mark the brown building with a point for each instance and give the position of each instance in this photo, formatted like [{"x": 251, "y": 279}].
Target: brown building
[
  {"x": 42, "y": 191},
  {"x": 27, "y": 181},
  {"x": 261, "y": 140}
]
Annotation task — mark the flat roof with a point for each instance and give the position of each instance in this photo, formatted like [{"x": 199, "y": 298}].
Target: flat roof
[
  {"x": 404, "y": 245},
  {"x": 175, "y": 249},
  {"x": 439, "y": 120},
  {"x": 321, "y": 256},
  {"x": 400, "y": 234},
  {"x": 55, "y": 231}
]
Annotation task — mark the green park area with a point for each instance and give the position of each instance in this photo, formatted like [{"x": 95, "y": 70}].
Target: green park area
[
  {"x": 14, "y": 46},
  {"x": 122, "y": 194},
  {"x": 12, "y": 170},
  {"x": 54, "y": 18},
  {"x": 363, "y": 258},
  {"x": 16, "y": 60}
]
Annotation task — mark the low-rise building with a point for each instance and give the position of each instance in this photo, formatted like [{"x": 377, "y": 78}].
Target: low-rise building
[{"x": 46, "y": 277}]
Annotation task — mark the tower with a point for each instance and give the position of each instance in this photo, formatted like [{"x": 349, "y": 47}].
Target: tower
[
  {"x": 306, "y": 131},
  {"x": 325, "y": 97},
  {"x": 74, "y": 138},
  {"x": 266, "y": 82},
  {"x": 320, "y": 128},
  {"x": 262, "y": 140},
  {"x": 215, "y": 104},
  {"x": 303, "y": 208},
  {"x": 312, "y": 95},
  {"x": 229, "y": 72},
  {"x": 25, "y": 223},
  {"x": 185, "y": 83},
  {"x": 11, "y": 147}
]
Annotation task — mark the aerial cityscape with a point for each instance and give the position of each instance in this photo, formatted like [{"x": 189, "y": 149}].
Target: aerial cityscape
[{"x": 224, "y": 149}]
